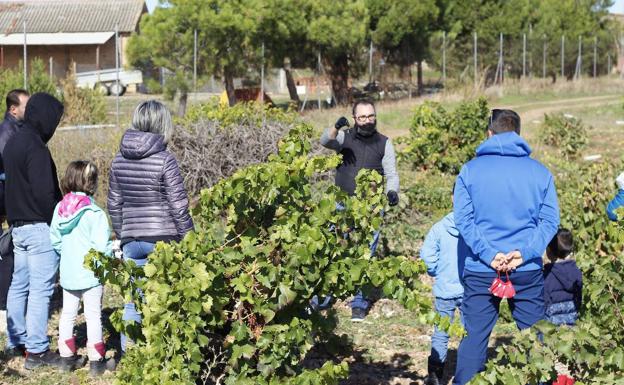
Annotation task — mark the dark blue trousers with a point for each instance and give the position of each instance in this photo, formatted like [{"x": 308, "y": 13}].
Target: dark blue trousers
[{"x": 480, "y": 311}]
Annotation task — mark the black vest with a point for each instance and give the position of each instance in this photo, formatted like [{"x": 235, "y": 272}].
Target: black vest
[{"x": 359, "y": 152}]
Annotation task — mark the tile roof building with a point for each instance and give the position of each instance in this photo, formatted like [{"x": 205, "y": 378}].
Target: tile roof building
[{"x": 67, "y": 33}]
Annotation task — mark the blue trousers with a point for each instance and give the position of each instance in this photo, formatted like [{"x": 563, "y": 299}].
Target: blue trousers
[
  {"x": 137, "y": 251},
  {"x": 439, "y": 339},
  {"x": 34, "y": 274},
  {"x": 480, "y": 310}
]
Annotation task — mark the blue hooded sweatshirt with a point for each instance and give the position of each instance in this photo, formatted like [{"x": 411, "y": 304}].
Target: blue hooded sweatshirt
[
  {"x": 504, "y": 201},
  {"x": 439, "y": 251},
  {"x": 73, "y": 234}
]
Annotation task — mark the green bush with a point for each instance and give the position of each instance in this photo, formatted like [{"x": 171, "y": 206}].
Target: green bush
[
  {"x": 444, "y": 140},
  {"x": 248, "y": 113},
  {"x": 38, "y": 79},
  {"x": 230, "y": 301},
  {"x": 82, "y": 105},
  {"x": 567, "y": 134},
  {"x": 153, "y": 86}
]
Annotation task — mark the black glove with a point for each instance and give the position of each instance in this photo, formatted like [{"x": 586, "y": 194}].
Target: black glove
[
  {"x": 342, "y": 122},
  {"x": 393, "y": 198}
]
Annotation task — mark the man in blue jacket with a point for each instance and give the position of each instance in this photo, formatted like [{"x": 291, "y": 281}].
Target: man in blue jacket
[{"x": 506, "y": 210}]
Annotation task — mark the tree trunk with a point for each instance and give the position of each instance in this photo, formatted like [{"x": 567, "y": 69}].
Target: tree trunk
[
  {"x": 292, "y": 88},
  {"x": 229, "y": 88},
  {"x": 182, "y": 103},
  {"x": 420, "y": 77},
  {"x": 339, "y": 74}
]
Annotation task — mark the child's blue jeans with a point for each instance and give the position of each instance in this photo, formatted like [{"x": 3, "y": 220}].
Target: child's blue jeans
[{"x": 439, "y": 339}]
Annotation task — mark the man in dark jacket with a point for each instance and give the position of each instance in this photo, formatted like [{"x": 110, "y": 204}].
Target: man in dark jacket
[
  {"x": 16, "y": 104},
  {"x": 33, "y": 190},
  {"x": 362, "y": 147}
]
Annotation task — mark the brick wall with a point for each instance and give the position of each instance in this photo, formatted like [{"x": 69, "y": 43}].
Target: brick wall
[{"x": 85, "y": 56}]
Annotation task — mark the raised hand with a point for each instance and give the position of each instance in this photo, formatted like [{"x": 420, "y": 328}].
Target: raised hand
[{"x": 341, "y": 122}]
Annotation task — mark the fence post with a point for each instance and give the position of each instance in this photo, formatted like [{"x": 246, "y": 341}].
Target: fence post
[
  {"x": 444, "y": 57},
  {"x": 595, "y": 53},
  {"x": 51, "y": 67},
  {"x": 318, "y": 80},
  {"x": 579, "y": 61},
  {"x": 524, "y": 42},
  {"x": 562, "y": 56},
  {"x": 195, "y": 63},
  {"x": 476, "y": 74},
  {"x": 262, "y": 77},
  {"x": 25, "y": 58},
  {"x": 117, "y": 73},
  {"x": 370, "y": 62},
  {"x": 544, "y": 59}
]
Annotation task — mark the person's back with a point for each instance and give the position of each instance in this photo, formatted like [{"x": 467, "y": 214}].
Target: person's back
[
  {"x": 32, "y": 190},
  {"x": 147, "y": 200},
  {"x": 563, "y": 281},
  {"x": 506, "y": 210},
  {"x": 32, "y": 184},
  {"x": 508, "y": 188},
  {"x": 140, "y": 172},
  {"x": 78, "y": 226}
]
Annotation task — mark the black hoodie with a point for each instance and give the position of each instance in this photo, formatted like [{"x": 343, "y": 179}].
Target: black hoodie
[{"x": 32, "y": 189}]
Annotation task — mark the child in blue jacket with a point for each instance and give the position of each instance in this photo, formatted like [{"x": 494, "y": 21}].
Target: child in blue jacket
[
  {"x": 79, "y": 225},
  {"x": 439, "y": 251},
  {"x": 563, "y": 281}
]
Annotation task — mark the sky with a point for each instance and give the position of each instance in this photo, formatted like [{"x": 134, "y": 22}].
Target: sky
[
  {"x": 152, "y": 3},
  {"x": 618, "y": 6}
]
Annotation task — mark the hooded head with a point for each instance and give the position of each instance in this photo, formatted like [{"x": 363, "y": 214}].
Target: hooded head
[
  {"x": 43, "y": 114},
  {"x": 138, "y": 144},
  {"x": 365, "y": 118}
]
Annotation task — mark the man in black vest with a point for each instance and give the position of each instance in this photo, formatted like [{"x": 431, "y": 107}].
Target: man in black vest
[{"x": 362, "y": 147}]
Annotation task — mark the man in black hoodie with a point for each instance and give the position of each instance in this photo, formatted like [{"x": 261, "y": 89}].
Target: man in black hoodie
[{"x": 33, "y": 191}]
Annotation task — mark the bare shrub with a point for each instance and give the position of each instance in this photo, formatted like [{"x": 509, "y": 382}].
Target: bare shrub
[{"x": 207, "y": 151}]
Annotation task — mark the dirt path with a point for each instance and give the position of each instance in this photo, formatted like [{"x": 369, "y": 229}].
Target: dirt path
[{"x": 535, "y": 110}]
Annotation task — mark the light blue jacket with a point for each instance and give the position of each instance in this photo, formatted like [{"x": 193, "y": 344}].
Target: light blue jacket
[
  {"x": 439, "y": 251},
  {"x": 504, "y": 201},
  {"x": 73, "y": 236}
]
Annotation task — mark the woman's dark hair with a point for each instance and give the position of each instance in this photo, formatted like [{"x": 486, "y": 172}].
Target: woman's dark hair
[
  {"x": 561, "y": 245},
  {"x": 80, "y": 176}
]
